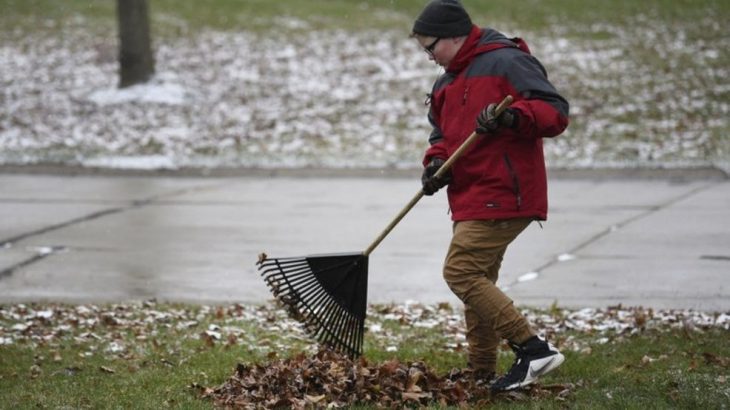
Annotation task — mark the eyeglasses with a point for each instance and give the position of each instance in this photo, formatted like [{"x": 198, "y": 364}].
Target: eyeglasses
[{"x": 429, "y": 48}]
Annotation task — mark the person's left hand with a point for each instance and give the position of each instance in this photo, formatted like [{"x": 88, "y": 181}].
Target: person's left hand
[{"x": 488, "y": 122}]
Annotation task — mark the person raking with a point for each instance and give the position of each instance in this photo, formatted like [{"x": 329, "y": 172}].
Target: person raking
[{"x": 499, "y": 186}]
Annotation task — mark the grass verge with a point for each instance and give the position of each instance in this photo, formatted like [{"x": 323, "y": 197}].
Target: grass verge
[
  {"x": 150, "y": 355},
  {"x": 169, "y": 16}
]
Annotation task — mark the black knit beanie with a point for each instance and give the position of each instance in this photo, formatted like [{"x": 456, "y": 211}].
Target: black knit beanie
[{"x": 443, "y": 19}]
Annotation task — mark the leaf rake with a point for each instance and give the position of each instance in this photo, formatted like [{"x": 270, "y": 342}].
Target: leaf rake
[{"x": 328, "y": 292}]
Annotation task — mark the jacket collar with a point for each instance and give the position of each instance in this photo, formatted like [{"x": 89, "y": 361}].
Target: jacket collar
[
  {"x": 477, "y": 42},
  {"x": 466, "y": 52}
]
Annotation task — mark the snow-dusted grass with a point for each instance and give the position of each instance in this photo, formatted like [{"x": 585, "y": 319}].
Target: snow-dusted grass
[
  {"x": 643, "y": 93},
  {"x": 157, "y": 355}
]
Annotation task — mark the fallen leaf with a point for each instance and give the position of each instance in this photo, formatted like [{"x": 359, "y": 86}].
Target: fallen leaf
[
  {"x": 646, "y": 360},
  {"x": 414, "y": 396},
  {"x": 714, "y": 359},
  {"x": 262, "y": 258},
  {"x": 315, "y": 399}
]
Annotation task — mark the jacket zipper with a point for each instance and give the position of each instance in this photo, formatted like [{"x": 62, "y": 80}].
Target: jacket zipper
[{"x": 515, "y": 181}]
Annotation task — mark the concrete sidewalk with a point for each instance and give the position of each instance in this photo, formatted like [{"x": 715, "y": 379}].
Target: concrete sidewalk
[{"x": 655, "y": 243}]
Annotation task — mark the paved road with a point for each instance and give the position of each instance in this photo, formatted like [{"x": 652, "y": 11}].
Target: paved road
[{"x": 658, "y": 243}]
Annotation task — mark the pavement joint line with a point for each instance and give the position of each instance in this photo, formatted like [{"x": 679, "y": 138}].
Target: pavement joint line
[
  {"x": 648, "y": 211},
  {"x": 58, "y": 201},
  {"x": 95, "y": 215},
  {"x": 6, "y": 243},
  {"x": 137, "y": 203},
  {"x": 7, "y": 272}
]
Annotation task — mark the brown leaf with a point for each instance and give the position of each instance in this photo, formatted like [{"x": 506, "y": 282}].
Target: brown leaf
[
  {"x": 640, "y": 318},
  {"x": 714, "y": 359},
  {"x": 692, "y": 365},
  {"x": 107, "y": 370},
  {"x": 414, "y": 376},
  {"x": 413, "y": 396},
  {"x": 389, "y": 368},
  {"x": 646, "y": 360},
  {"x": 35, "y": 371},
  {"x": 315, "y": 399},
  {"x": 262, "y": 258},
  {"x": 207, "y": 338}
]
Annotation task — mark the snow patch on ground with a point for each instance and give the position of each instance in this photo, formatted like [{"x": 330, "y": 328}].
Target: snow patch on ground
[
  {"x": 153, "y": 92},
  {"x": 132, "y": 162},
  {"x": 343, "y": 99}
]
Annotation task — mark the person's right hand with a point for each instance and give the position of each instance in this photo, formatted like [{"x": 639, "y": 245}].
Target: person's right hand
[{"x": 431, "y": 183}]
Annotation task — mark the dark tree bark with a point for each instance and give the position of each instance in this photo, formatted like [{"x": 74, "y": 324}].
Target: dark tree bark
[{"x": 136, "y": 64}]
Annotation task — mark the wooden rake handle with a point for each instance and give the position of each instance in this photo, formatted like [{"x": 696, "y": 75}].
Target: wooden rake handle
[{"x": 441, "y": 171}]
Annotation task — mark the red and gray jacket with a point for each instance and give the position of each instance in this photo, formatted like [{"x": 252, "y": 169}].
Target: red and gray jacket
[{"x": 503, "y": 175}]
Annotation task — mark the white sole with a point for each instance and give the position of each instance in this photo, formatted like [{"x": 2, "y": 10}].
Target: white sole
[{"x": 541, "y": 367}]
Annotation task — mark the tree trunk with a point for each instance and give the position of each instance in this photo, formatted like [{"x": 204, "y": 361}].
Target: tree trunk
[{"x": 136, "y": 64}]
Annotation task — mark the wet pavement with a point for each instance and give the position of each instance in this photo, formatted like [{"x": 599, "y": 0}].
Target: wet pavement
[{"x": 662, "y": 243}]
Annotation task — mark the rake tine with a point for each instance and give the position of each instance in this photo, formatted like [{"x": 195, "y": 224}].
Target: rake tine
[
  {"x": 347, "y": 334},
  {"x": 313, "y": 300},
  {"x": 298, "y": 293},
  {"x": 343, "y": 330},
  {"x": 310, "y": 312},
  {"x": 336, "y": 324},
  {"x": 277, "y": 280},
  {"x": 308, "y": 297},
  {"x": 354, "y": 324},
  {"x": 349, "y": 330},
  {"x": 283, "y": 280},
  {"x": 323, "y": 313},
  {"x": 293, "y": 270},
  {"x": 333, "y": 324},
  {"x": 338, "y": 334}
]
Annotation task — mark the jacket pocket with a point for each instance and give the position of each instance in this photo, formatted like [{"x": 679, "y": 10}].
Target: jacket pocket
[{"x": 515, "y": 181}]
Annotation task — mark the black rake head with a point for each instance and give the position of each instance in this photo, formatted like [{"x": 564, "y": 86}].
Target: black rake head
[{"x": 327, "y": 293}]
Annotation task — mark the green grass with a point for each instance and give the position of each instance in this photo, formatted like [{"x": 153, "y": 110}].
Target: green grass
[
  {"x": 261, "y": 15},
  {"x": 164, "y": 356},
  {"x": 675, "y": 376}
]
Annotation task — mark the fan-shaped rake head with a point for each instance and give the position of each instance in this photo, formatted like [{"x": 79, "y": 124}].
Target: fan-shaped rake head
[{"x": 328, "y": 293}]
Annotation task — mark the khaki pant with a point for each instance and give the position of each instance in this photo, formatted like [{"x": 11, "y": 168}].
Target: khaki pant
[{"x": 471, "y": 271}]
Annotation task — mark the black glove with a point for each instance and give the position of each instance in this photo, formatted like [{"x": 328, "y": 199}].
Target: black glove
[
  {"x": 488, "y": 122},
  {"x": 431, "y": 184}
]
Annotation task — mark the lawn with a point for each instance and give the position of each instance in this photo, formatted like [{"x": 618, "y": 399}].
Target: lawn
[
  {"x": 339, "y": 83},
  {"x": 354, "y": 14},
  {"x": 156, "y": 355}
]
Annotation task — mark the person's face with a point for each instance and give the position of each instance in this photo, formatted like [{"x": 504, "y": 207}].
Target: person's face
[{"x": 440, "y": 50}]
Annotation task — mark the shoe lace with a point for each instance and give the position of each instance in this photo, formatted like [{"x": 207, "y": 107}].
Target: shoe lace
[{"x": 513, "y": 374}]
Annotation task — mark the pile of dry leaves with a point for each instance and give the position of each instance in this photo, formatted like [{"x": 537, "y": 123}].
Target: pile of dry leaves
[{"x": 328, "y": 379}]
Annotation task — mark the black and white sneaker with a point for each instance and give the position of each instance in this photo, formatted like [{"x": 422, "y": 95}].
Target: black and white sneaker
[{"x": 534, "y": 358}]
